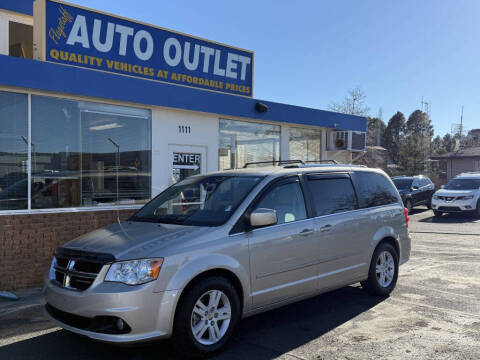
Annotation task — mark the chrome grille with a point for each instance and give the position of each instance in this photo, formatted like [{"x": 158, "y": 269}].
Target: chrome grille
[{"x": 77, "y": 270}]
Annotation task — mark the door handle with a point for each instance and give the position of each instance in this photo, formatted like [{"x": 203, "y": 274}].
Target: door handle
[
  {"x": 306, "y": 232},
  {"x": 326, "y": 228}
]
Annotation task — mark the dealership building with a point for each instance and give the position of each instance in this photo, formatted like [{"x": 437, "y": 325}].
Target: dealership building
[{"x": 99, "y": 113}]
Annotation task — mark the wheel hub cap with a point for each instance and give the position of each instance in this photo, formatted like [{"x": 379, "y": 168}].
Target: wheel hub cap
[
  {"x": 385, "y": 269},
  {"x": 211, "y": 317}
]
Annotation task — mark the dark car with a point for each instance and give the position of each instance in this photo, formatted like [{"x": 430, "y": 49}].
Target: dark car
[{"x": 415, "y": 190}]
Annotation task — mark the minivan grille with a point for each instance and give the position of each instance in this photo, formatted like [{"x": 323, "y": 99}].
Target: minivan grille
[{"x": 77, "y": 270}]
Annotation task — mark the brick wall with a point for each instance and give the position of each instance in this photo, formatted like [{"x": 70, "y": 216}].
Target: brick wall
[{"x": 27, "y": 242}]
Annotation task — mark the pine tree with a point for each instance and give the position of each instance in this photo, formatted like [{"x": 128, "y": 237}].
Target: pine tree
[
  {"x": 449, "y": 142},
  {"x": 418, "y": 135},
  {"x": 393, "y": 135}
]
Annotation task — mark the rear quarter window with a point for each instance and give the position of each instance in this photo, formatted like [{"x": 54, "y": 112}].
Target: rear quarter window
[{"x": 374, "y": 189}]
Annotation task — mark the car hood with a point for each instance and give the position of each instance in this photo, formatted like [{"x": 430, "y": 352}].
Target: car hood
[
  {"x": 134, "y": 239},
  {"x": 445, "y": 192}
]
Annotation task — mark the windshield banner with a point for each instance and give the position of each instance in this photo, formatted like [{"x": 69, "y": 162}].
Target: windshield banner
[{"x": 82, "y": 37}]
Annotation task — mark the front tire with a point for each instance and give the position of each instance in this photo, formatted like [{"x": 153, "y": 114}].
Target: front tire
[
  {"x": 383, "y": 272},
  {"x": 206, "y": 317},
  {"x": 477, "y": 210},
  {"x": 437, "y": 213}
]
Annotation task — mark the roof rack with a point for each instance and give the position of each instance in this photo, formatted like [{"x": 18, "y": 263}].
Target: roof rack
[
  {"x": 299, "y": 163},
  {"x": 321, "y": 161},
  {"x": 274, "y": 162}
]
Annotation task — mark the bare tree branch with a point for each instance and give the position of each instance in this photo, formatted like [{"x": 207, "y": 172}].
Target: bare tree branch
[{"x": 353, "y": 103}]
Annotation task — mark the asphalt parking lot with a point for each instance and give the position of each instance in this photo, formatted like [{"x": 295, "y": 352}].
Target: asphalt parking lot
[{"x": 434, "y": 313}]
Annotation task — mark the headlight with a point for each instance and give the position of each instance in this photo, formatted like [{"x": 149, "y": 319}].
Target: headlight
[
  {"x": 435, "y": 197},
  {"x": 469, "y": 197},
  {"x": 51, "y": 273},
  {"x": 134, "y": 272}
]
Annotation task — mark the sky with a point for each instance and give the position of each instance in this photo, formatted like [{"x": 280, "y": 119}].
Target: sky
[{"x": 310, "y": 52}]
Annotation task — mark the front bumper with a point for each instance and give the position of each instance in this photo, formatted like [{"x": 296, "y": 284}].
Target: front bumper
[
  {"x": 149, "y": 314},
  {"x": 454, "y": 206}
]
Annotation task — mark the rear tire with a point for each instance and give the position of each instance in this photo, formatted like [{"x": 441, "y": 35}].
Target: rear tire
[
  {"x": 197, "y": 310},
  {"x": 437, "y": 213},
  {"x": 383, "y": 272}
]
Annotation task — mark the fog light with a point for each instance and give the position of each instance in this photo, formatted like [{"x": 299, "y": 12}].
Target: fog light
[
  {"x": 468, "y": 207},
  {"x": 120, "y": 324}
]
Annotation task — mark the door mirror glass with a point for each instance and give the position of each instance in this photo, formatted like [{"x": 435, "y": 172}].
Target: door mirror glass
[{"x": 263, "y": 217}]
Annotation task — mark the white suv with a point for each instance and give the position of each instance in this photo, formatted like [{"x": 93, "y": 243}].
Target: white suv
[{"x": 461, "y": 194}]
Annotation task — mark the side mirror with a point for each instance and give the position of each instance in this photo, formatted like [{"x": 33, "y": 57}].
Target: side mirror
[
  {"x": 263, "y": 217},
  {"x": 414, "y": 187}
]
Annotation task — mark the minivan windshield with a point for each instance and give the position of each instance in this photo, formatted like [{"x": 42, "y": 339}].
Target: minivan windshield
[
  {"x": 199, "y": 200},
  {"x": 403, "y": 183},
  {"x": 463, "y": 184}
]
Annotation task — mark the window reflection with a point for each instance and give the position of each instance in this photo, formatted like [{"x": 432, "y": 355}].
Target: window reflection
[
  {"x": 127, "y": 152},
  {"x": 242, "y": 142},
  {"x": 13, "y": 151},
  {"x": 305, "y": 144},
  {"x": 75, "y": 164},
  {"x": 55, "y": 153}
]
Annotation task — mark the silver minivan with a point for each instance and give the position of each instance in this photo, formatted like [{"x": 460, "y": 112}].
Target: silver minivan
[{"x": 215, "y": 248}]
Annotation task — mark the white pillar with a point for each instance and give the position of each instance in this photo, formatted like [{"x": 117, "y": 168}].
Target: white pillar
[
  {"x": 323, "y": 151},
  {"x": 284, "y": 140}
]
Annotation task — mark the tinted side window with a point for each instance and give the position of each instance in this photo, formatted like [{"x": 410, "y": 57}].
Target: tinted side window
[
  {"x": 374, "y": 189},
  {"x": 332, "y": 195},
  {"x": 287, "y": 200}
]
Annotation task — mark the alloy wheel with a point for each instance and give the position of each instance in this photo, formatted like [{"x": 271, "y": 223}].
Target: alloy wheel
[
  {"x": 211, "y": 317},
  {"x": 385, "y": 269}
]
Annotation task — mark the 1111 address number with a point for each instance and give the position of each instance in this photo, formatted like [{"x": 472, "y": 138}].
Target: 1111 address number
[{"x": 184, "y": 129}]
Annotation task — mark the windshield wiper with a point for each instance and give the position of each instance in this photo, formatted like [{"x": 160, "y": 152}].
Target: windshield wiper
[
  {"x": 141, "y": 219},
  {"x": 169, "y": 221}
]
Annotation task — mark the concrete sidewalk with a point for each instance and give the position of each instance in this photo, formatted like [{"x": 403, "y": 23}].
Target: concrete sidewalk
[
  {"x": 20, "y": 319},
  {"x": 27, "y": 298}
]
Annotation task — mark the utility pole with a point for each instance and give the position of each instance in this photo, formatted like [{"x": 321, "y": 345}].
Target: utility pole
[
  {"x": 461, "y": 128},
  {"x": 426, "y": 105}
]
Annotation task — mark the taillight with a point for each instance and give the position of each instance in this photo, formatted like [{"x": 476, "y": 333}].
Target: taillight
[{"x": 407, "y": 219}]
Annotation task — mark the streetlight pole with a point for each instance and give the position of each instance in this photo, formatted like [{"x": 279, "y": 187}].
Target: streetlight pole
[{"x": 117, "y": 164}]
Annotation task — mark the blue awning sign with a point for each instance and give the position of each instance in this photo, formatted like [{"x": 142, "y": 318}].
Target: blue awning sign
[{"x": 74, "y": 35}]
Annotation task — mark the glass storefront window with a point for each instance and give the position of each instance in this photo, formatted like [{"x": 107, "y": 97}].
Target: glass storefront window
[
  {"x": 115, "y": 140},
  {"x": 80, "y": 148},
  {"x": 13, "y": 151},
  {"x": 55, "y": 153},
  {"x": 305, "y": 144},
  {"x": 241, "y": 142}
]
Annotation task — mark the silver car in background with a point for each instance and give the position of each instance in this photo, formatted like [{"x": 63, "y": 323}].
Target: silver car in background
[
  {"x": 214, "y": 248},
  {"x": 460, "y": 195}
]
